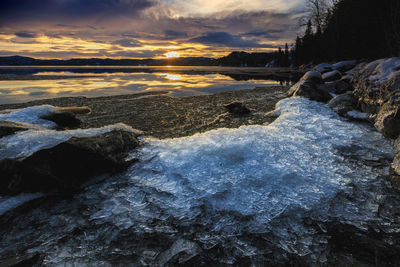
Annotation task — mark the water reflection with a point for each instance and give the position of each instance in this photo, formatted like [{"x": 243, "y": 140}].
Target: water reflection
[{"x": 120, "y": 81}]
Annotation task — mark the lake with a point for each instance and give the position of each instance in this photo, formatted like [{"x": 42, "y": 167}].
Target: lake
[{"x": 21, "y": 84}]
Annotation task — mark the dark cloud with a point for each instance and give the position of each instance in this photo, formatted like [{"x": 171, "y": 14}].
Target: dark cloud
[
  {"x": 25, "y": 34},
  {"x": 127, "y": 43},
  {"x": 12, "y": 11},
  {"x": 226, "y": 39},
  {"x": 171, "y": 34},
  {"x": 271, "y": 34}
]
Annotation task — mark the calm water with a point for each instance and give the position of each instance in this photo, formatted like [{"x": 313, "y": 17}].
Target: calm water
[{"x": 178, "y": 81}]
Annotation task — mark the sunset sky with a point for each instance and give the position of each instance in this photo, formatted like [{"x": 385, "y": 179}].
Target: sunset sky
[{"x": 145, "y": 28}]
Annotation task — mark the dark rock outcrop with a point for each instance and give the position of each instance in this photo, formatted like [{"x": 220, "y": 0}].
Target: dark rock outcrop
[
  {"x": 10, "y": 127},
  {"x": 395, "y": 167},
  {"x": 65, "y": 167},
  {"x": 237, "y": 109},
  {"x": 311, "y": 86}
]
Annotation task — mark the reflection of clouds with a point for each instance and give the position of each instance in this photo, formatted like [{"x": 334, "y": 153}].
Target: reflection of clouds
[{"x": 123, "y": 83}]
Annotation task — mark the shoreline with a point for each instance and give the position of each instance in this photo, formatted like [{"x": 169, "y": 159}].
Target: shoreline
[{"x": 162, "y": 116}]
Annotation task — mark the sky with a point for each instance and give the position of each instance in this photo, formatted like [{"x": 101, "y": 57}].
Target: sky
[{"x": 145, "y": 28}]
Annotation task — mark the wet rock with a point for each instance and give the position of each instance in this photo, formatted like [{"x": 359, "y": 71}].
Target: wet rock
[
  {"x": 63, "y": 119},
  {"x": 311, "y": 86},
  {"x": 10, "y": 127},
  {"x": 331, "y": 76},
  {"x": 65, "y": 167},
  {"x": 342, "y": 103},
  {"x": 237, "y": 108}
]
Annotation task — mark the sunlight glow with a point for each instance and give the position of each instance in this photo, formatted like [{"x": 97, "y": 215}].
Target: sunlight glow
[{"x": 171, "y": 54}]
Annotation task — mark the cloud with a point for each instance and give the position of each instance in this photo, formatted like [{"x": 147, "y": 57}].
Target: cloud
[
  {"x": 171, "y": 34},
  {"x": 24, "y": 34},
  {"x": 12, "y": 11},
  {"x": 127, "y": 43},
  {"x": 225, "y": 39}
]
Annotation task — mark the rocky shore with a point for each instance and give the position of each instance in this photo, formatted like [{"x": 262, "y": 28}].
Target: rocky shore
[
  {"x": 348, "y": 88},
  {"x": 57, "y": 154}
]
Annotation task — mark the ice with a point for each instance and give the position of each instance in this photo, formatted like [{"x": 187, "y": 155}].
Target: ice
[
  {"x": 255, "y": 192},
  {"x": 23, "y": 144},
  {"x": 31, "y": 115},
  {"x": 357, "y": 115},
  {"x": 9, "y": 203}
]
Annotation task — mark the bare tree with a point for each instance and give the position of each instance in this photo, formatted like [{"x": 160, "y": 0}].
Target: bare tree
[{"x": 316, "y": 12}]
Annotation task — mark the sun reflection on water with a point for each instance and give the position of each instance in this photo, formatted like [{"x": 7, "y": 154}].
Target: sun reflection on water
[{"x": 104, "y": 84}]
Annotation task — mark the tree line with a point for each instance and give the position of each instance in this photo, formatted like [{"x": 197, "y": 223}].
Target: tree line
[{"x": 348, "y": 29}]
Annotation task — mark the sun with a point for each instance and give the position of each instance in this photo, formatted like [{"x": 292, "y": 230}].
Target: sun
[{"x": 171, "y": 54}]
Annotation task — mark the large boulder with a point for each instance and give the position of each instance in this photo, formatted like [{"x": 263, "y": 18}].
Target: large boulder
[
  {"x": 331, "y": 76},
  {"x": 342, "y": 103},
  {"x": 323, "y": 67},
  {"x": 310, "y": 86},
  {"x": 66, "y": 166},
  {"x": 344, "y": 66},
  {"x": 377, "y": 91},
  {"x": 395, "y": 167}
]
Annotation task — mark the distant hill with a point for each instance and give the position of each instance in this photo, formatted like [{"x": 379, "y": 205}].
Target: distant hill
[
  {"x": 238, "y": 59},
  {"x": 27, "y": 61}
]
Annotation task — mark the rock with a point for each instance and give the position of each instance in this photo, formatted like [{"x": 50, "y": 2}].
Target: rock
[
  {"x": 342, "y": 86},
  {"x": 331, "y": 76},
  {"x": 64, "y": 119},
  {"x": 323, "y": 67},
  {"x": 342, "y": 103},
  {"x": 344, "y": 66},
  {"x": 10, "y": 127},
  {"x": 388, "y": 120},
  {"x": 311, "y": 87},
  {"x": 237, "y": 108},
  {"x": 395, "y": 167},
  {"x": 65, "y": 167},
  {"x": 377, "y": 91}
]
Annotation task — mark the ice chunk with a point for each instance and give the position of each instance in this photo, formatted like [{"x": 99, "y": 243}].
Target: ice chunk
[
  {"x": 23, "y": 144},
  {"x": 31, "y": 115}
]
